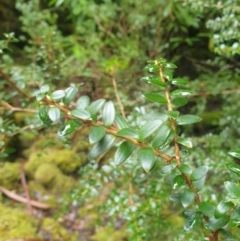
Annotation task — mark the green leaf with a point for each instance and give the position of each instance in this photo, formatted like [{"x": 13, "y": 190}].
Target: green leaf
[
  {"x": 123, "y": 152},
  {"x": 233, "y": 189},
  {"x": 54, "y": 114},
  {"x": 168, "y": 140},
  {"x": 161, "y": 135},
  {"x": 235, "y": 153},
  {"x": 234, "y": 168},
  {"x": 169, "y": 65},
  {"x": 167, "y": 75},
  {"x": 187, "y": 213},
  {"x": 235, "y": 218},
  {"x": 185, "y": 169},
  {"x": 147, "y": 129},
  {"x": 199, "y": 183},
  {"x": 40, "y": 97},
  {"x": 102, "y": 146},
  {"x": 147, "y": 158},
  {"x": 161, "y": 60},
  {"x": 207, "y": 209},
  {"x": 187, "y": 197},
  {"x": 83, "y": 102},
  {"x": 215, "y": 224},
  {"x": 176, "y": 197},
  {"x": 168, "y": 168},
  {"x": 181, "y": 93},
  {"x": 199, "y": 173},
  {"x": 71, "y": 93},
  {"x": 108, "y": 114},
  {"x": 173, "y": 114},
  {"x": 58, "y": 95},
  {"x": 128, "y": 132},
  {"x": 178, "y": 102},
  {"x": 179, "y": 82},
  {"x": 121, "y": 122},
  {"x": 185, "y": 142},
  {"x": 82, "y": 114},
  {"x": 193, "y": 221},
  {"x": 96, "y": 134},
  {"x": 44, "y": 89},
  {"x": 155, "y": 98},
  {"x": 69, "y": 127},
  {"x": 95, "y": 106},
  {"x": 151, "y": 68},
  {"x": 222, "y": 208},
  {"x": 188, "y": 119},
  {"x": 153, "y": 80},
  {"x": 178, "y": 181},
  {"x": 43, "y": 115}
]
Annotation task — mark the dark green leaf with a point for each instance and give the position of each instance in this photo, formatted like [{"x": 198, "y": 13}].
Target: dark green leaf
[
  {"x": 167, "y": 75},
  {"x": 178, "y": 181},
  {"x": 184, "y": 142},
  {"x": 184, "y": 153},
  {"x": 187, "y": 197},
  {"x": 234, "y": 168},
  {"x": 54, "y": 114},
  {"x": 235, "y": 153},
  {"x": 233, "y": 189},
  {"x": 95, "y": 106},
  {"x": 181, "y": 93},
  {"x": 96, "y": 134},
  {"x": 168, "y": 168},
  {"x": 235, "y": 218},
  {"x": 188, "y": 119},
  {"x": 83, "y": 102},
  {"x": 185, "y": 169},
  {"x": 155, "y": 98},
  {"x": 179, "y": 82},
  {"x": 128, "y": 132},
  {"x": 58, "y": 95},
  {"x": 161, "y": 60},
  {"x": 173, "y": 114},
  {"x": 176, "y": 197},
  {"x": 215, "y": 224},
  {"x": 147, "y": 158},
  {"x": 168, "y": 140},
  {"x": 121, "y": 122},
  {"x": 147, "y": 129},
  {"x": 161, "y": 135},
  {"x": 178, "y": 102},
  {"x": 123, "y": 152},
  {"x": 43, "y": 115},
  {"x": 199, "y": 183},
  {"x": 193, "y": 221},
  {"x": 71, "y": 93},
  {"x": 100, "y": 147},
  {"x": 108, "y": 114},
  {"x": 153, "y": 80},
  {"x": 44, "y": 89},
  {"x": 69, "y": 127},
  {"x": 187, "y": 213},
  {"x": 80, "y": 113},
  {"x": 222, "y": 208},
  {"x": 169, "y": 65},
  {"x": 199, "y": 173},
  {"x": 151, "y": 68},
  {"x": 207, "y": 209}
]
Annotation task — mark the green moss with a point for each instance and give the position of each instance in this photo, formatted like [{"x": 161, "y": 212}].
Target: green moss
[
  {"x": 55, "y": 231},
  {"x": 9, "y": 174},
  {"x": 15, "y": 224}
]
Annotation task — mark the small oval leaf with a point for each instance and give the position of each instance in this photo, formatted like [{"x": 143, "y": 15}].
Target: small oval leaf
[
  {"x": 179, "y": 82},
  {"x": 178, "y": 181},
  {"x": 178, "y": 102},
  {"x": 199, "y": 173},
  {"x": 95, "y": 106},
  {"x": 83, "y": 102},
  {"x": 69, "y": 127},
  {"x": 168, "y": 168},
  {"x": 71, "y": 93},
  {"x": 222, "y": 208},
  {"x": 121, "y": 122},
  {"x": 96, "y": 134},
  {"x": 108, "y": 114},
  {"x": 147, "y": 158},
  {"x": 215, "y": 224},
  {"x": 44, "y": 89},
  {"x": 43, "y": 115},
  {"x": 233, "y": 189},
  {"x": 58, "y": 95},
  {"x": 185, "y": 142},
  {"x": 169, "y": 65},
  {"x": 123, "y": 152},
  {"x": 188, "y": 119},
  {"x": 161, "y": 135},
  {"x": 181, "y": 93},
  {"x": 128, "y": 132},
  {"x": 147, "y": 129},
  {"x": 234, "y": 168},
  {"x": 187, "y": 198},
  {"x": 151, "y": 68},
  {"x": 155, "y": 98},
  {"x": 54, "y": 114},
  {"x": 235, "y": 153},
  {"x": 152, "y": 79},
  {"x": 82, "y": 114},
  {"x": 207, "y": 209}
]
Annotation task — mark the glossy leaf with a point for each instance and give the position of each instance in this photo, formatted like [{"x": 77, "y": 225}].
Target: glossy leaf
[
  {"x": 83, "y": 102},
  {"x": 121, "y": 122},
  {"x": 235, "y": 153},
  {"x": 188, "y": 119},
  {"x": 207, "y": 209},
  {"x": 176, "y": 197},
  {"x": 173, "y": 114},
  {"x": 82, "y": 114},
  {"x": 168, "y": 168},
  {"x": 44, "y": 89},
  {"x": 102, "y": 146},
  {"x": 95, "y": 106},
  {"x": 43, "y": 114},
  {"x": 185, "y": 169},
  {"x": 151, "y": 68},
  {"x": 179, "y": 82},
  {"x": 178, "y": 181},
  {"x": 54, "y": 114},
  {"x": 58, "y": 95},
  {"x": 187, "y": 197},
  {"x": 187, "y": 213},
  {"x": 39, "y": 97},
  {"x": 222, "y": 208},
  {"x": 233, "y": 189},
  {"x": 235, "y": 217},
  {"x": 161, "y": 135},
  {"x": 178, "y": 102},
  {"x": 181, "y": 93},
  {"x": 185, "y": 142},
  {"x": 168, "y": 140},
  {"x": 69, "y": 127},
  {"x": 155, "y": 98},
  {"x": 147, "y": 158},
  {"x": 71, "y": 93},
  {"x": 161, "y": 60},
  {"x": 199, "y": 173},
  {"x": 234, "y": 168},
  {"x": 96, "y": 134},
  {"x": 108, "y": 114},
  {"x": 215, "y": 224},
  {"x": 167, "y": 75},
  {"x": 199, "y": 183},
  {"x": 193, "y": 221},
  {"x": 128, "y": 132},
  {"x": 169, "y": 65},
  {"x": 153, "y": 80},
  {"x": 147, "y": 129},
  {"x": 124, "y": 151}
]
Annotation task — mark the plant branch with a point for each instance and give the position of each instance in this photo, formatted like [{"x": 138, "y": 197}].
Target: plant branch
[{"x": 7, "y": 106}]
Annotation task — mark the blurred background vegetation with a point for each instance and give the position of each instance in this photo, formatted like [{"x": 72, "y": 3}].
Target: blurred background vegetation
[{"x": 89, "y": 43}]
